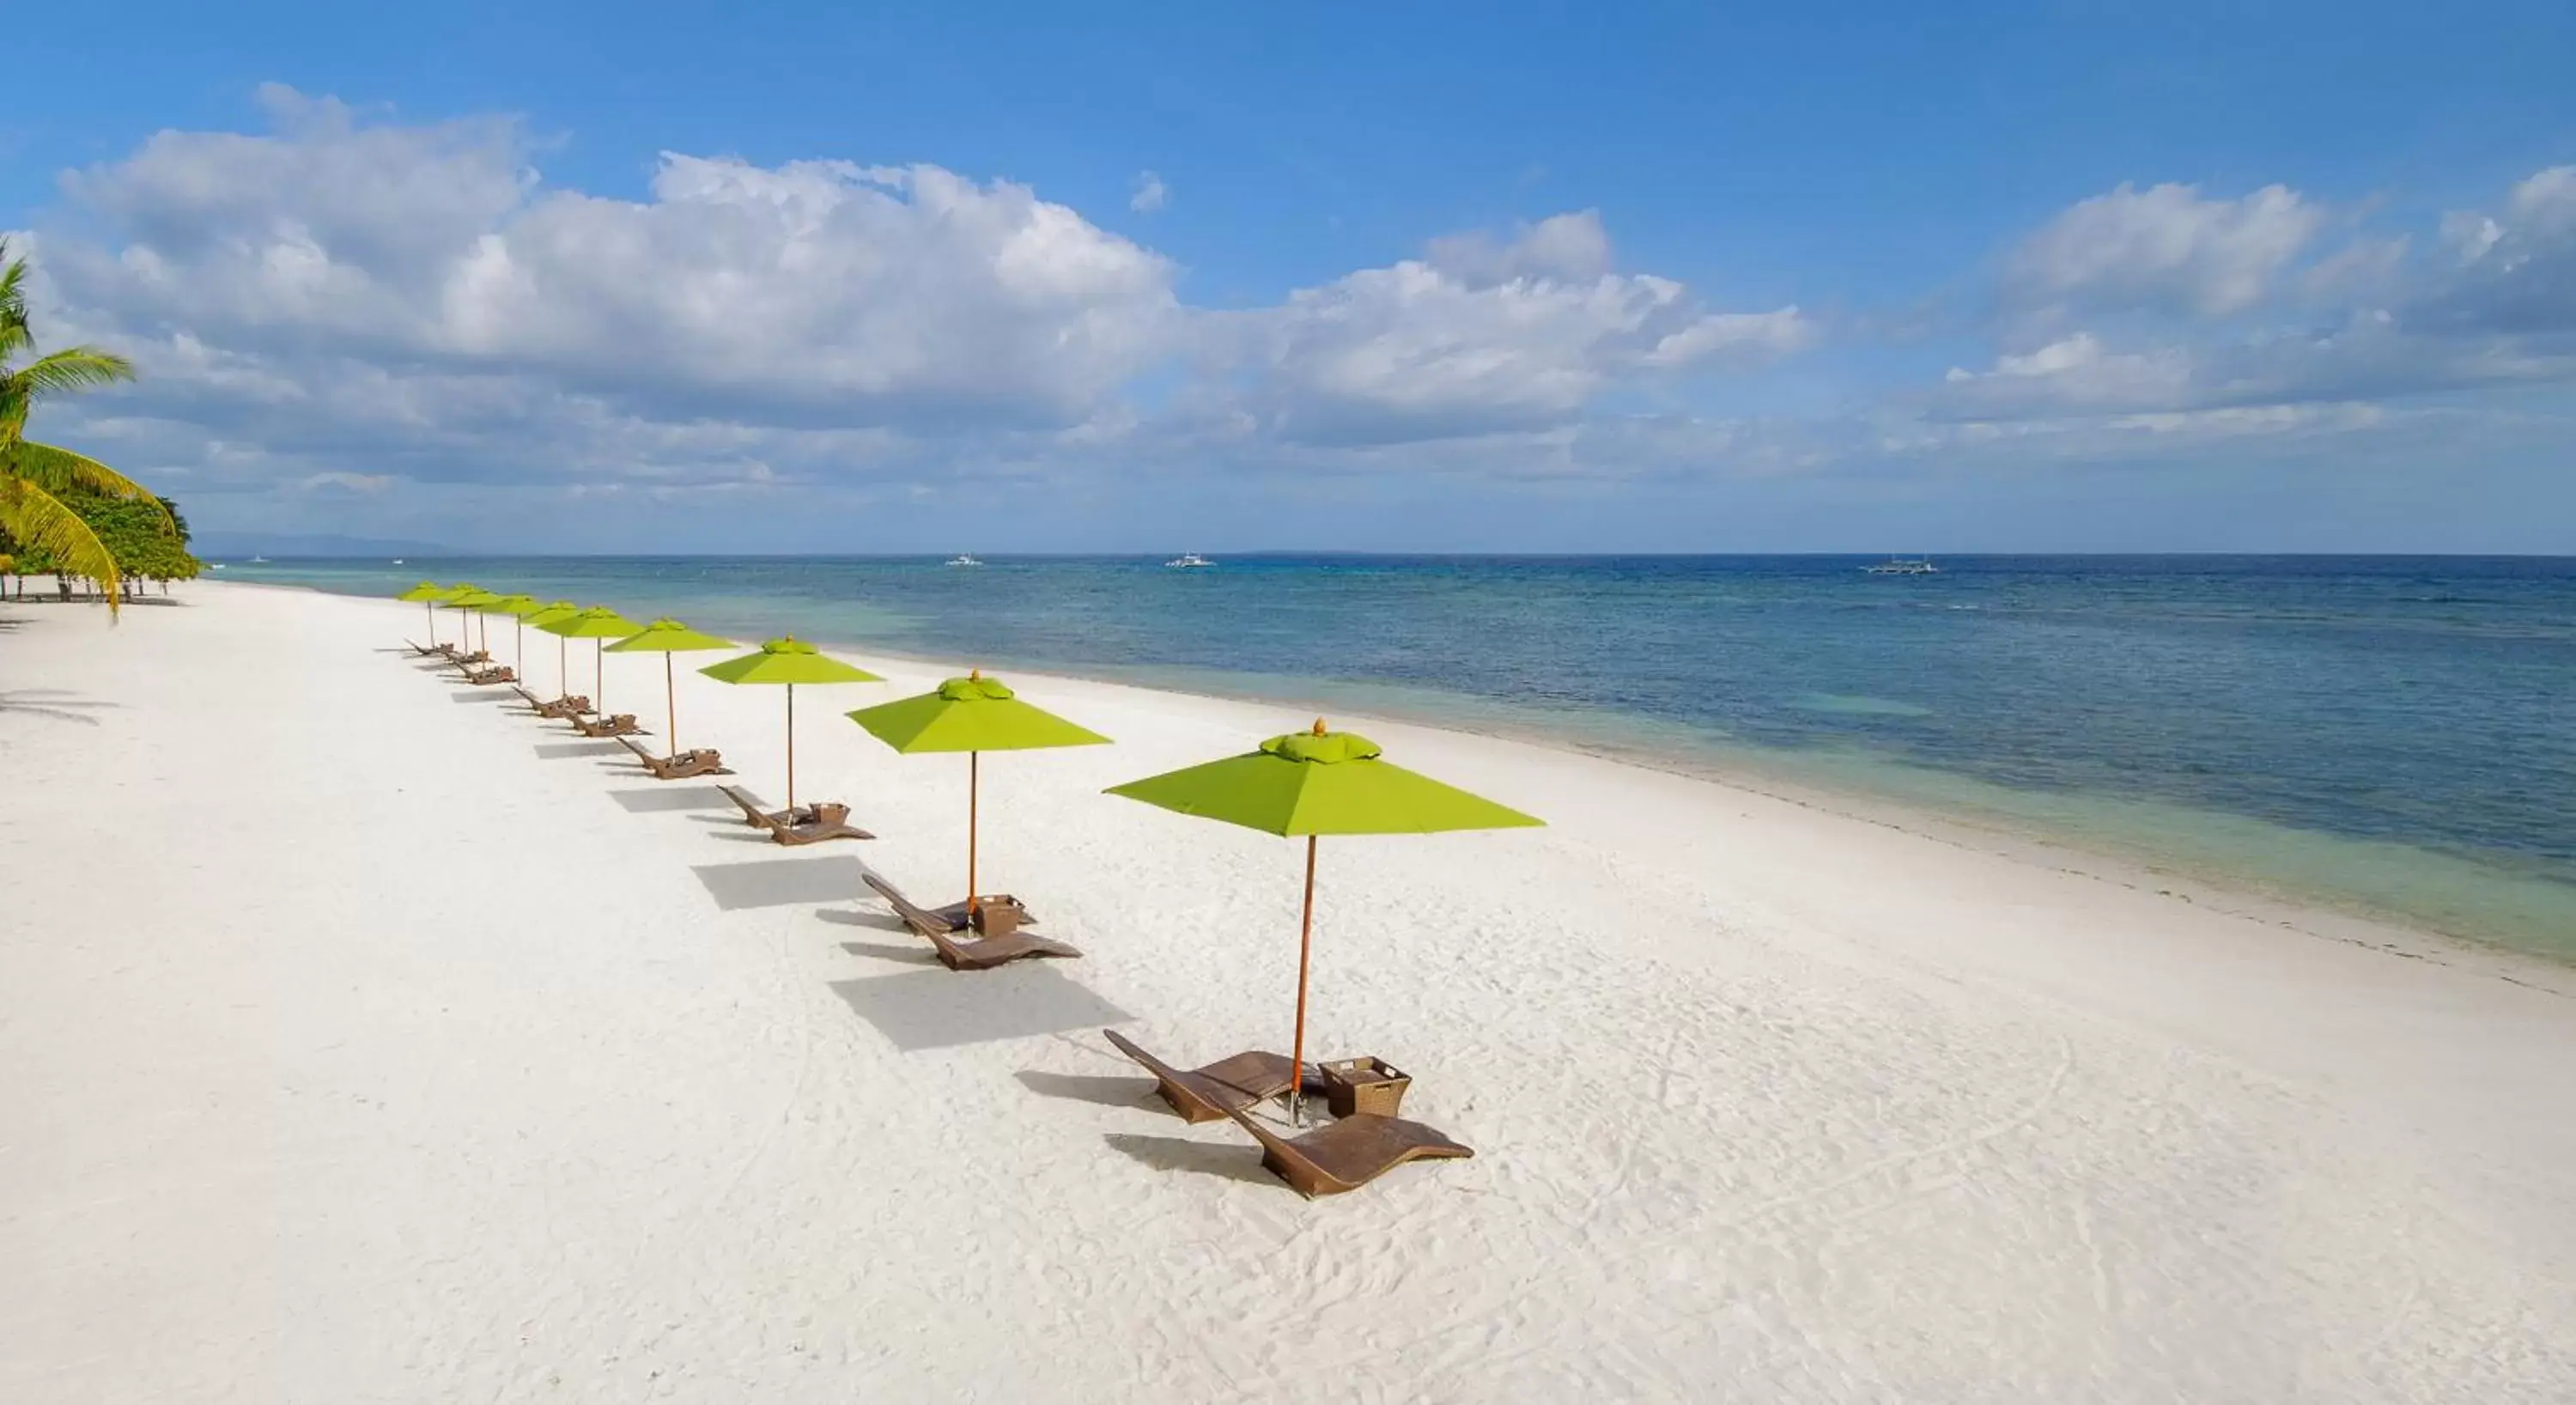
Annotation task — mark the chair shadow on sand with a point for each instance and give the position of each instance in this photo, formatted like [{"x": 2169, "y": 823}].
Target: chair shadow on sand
[
  {"x": 55, "y": 703},
  {"x": 1232, "y": 1160},
  {"x": 907, "y": 955},
  {"x": 1089, "y": 1088}
]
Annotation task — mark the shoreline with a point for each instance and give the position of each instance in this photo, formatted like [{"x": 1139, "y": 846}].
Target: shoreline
[{"x": 2310, "y": 909}]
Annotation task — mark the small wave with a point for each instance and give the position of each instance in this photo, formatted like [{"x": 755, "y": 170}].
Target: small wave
[{"x": 1852, "y": 705}]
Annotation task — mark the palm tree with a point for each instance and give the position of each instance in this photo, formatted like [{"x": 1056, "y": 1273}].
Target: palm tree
[{"x": 33, "y": 476}]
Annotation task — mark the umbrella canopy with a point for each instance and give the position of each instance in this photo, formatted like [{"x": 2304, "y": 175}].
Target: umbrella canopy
[
  {"x": 518, "y": 608},
  {"x": 667, "y": 637},
  {"x": 547, "y": 614},
  {"x": 427, "y": 594},
  {"x": 1312, "y": 784},
  {"x": 598, "y": 624},
  {"x": 467, "y": 596},
  {"x": 788, "y": 661},
  {"x": 973, "y": 714}
]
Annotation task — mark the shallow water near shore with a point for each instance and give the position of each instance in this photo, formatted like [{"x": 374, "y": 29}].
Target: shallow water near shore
[{"x": 2392, "y": 735}]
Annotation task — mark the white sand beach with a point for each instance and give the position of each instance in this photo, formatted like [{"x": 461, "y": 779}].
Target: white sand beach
[{"x": 363, "y": 1038}]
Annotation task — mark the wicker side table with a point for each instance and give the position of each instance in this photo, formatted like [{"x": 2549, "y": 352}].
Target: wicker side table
[{"x": 1368, "y": 1084}]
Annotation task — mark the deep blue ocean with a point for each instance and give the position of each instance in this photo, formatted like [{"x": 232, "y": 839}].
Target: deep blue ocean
[{"x": 2393, "y": 734}]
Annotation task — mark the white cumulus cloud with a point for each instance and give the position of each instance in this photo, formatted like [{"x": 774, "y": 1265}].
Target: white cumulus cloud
[
  {"x": 2165, "y": 248},
  {"x": 1483, "y": 335}
]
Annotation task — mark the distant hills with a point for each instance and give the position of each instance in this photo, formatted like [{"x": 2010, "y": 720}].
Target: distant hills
[{"x": 226, "y": 546}]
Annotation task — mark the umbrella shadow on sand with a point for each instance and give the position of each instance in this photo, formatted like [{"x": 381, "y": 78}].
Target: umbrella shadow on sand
[
  {"x": 782, "y": 882},
  {"x": 942, "y": 1009},
  {"x": 664, "y": 800}
]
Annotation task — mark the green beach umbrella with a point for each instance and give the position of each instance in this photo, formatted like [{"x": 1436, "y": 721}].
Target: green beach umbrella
[
  {"x": 547, "y": 614},
  {"x": 599, "y": 624},
  {"x": 518, "y": 608},
  {"x": 788, "y": 661},
  {"x": 428, "y": 594},
  {"x": 1313, "y": 784},
  {"x": 667, "y": 637},
  {"x": 470, "y": 597},
  {"x": 973, "y": 714}
]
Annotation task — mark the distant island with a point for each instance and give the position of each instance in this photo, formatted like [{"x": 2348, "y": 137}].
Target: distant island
[{"x": 222, "y": 545}]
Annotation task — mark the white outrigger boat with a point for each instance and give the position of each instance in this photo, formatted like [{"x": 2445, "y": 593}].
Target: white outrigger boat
[
  {"x": 1901, "y": 566},
  {"x": 962, "y": 559},
  {"x": 1189, "y": 561}
]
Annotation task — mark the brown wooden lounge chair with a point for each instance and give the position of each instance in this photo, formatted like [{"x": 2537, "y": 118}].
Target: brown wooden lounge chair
[
  {"x": 466, "y": 662},
  {"x": 622, "y": 725},
  {"x": 432, "y": 651},
  {"x": 486, "y": 677},
  {"x": 696, "y": 761},
  {"x": 951, "y": 918},
  {"x": 1344, "y": 1155},
  {"x": 560, "y": 708},
  {"x": 811, "y": 824},
  {"x": 974, "y": 954},
  {"x": 1208, "y": 1093}
]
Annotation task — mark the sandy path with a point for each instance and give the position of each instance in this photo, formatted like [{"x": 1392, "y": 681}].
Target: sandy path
[{"x": 362, "y": 1039}]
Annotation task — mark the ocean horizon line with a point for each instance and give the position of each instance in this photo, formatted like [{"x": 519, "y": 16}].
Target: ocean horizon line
[{"x": 1297, "y": 554}]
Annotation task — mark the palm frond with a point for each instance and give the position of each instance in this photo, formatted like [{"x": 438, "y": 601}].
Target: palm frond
[
  {"x": 72, "y": 368},
  {"x": 14, "y": 333},
  {"x": 59, "y": 470},
  {"x": 35, "y": 518}
]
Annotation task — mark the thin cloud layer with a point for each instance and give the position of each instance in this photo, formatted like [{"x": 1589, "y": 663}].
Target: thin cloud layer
[{"x": 2197, "y": 290}]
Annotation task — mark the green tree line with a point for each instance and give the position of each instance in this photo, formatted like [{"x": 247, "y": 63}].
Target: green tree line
[{"x": 147, "y": 538}]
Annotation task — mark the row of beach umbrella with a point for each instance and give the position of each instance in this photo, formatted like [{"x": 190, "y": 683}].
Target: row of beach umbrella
[{"x": 1303, "y": 785}]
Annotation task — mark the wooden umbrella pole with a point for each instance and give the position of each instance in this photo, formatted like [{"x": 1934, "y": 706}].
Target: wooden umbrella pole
[
  {"x": 670, "y": 703},
  {"x": 791, "y": 752},
  {"x": 599, "y": 676},
  {"x": 974, "y": 784},
  {"x": 563, "y": 666},
  {"x": 1305, "y": 949}
]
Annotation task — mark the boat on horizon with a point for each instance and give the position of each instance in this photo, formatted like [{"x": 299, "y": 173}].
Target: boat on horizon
[
  {"x": 962, "y": 559},
  {"x": 1188, "y": 561},
  {"x": 1904, "y": 566}
]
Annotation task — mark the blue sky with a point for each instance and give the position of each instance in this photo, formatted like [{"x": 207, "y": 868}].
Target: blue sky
[{"x": 2045, "y": 277}]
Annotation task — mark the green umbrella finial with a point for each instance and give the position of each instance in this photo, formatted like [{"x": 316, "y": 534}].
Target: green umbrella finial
[
  {"x": 667, "y": 636},
  {"x": 973, "y": 713}
]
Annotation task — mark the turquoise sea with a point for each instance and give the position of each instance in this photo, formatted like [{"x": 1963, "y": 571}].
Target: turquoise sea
[{"x": 2395, "y": 735}]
